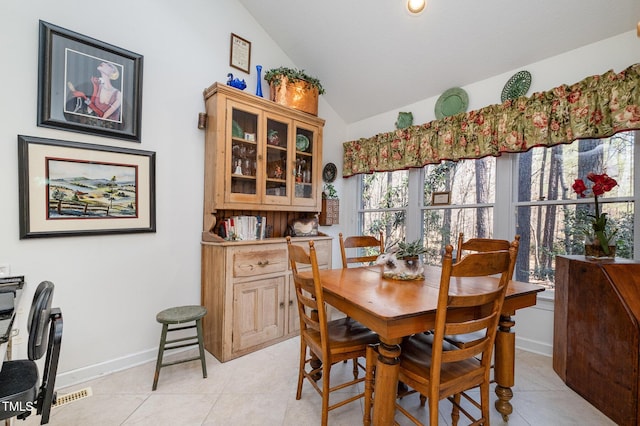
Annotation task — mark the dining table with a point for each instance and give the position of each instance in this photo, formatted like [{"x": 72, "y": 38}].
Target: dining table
[{"x": 395, "y": 309}]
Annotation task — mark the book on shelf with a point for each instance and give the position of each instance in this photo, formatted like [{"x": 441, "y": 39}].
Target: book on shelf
[{"x": 245, "y": 228}]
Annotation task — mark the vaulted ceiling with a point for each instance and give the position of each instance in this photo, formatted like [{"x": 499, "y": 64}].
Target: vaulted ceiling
[{"x": 399, "y": 59}]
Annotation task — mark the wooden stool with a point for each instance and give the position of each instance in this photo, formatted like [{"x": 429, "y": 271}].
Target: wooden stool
[{"x": 179, "y": 315}]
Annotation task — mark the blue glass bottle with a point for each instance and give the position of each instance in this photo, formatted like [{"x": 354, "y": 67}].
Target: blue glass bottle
[{"x": 259, "y": 86}]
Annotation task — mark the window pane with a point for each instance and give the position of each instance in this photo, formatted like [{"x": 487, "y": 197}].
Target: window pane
[
  {"x": 442, "y": 226},
  {"x": 383, "y": 205},
  {"x": 384, "y": 190},
  {"x": 470, "y": 181},
  {"x": 391, "y": 223},
  {"x": 548, "y": 173}
]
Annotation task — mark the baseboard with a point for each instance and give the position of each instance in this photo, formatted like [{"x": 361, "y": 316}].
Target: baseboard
[
  {"x": 80, "y": 375},
  {"x": 540, "y": 348}
]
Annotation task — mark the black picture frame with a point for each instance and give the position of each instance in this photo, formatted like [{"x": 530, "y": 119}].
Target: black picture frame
[
  {"x": 74, "y": 188},
  {"x": 82, "y": 80}
]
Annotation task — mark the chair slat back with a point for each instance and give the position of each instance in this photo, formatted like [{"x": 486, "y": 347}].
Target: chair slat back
[
  {"x": 311, "y": 307},
  {"x": 359, "y": 243},
  {"x": 38, "y": 321},
  {"x": 479, "y": 244},
  {"x": 482, "y": 245},
  {"x": 484, "y": 307}
]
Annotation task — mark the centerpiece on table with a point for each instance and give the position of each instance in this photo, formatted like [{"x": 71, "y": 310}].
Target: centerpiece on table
[
  {"x": 598, "y": 244},
  {"x": 404, "y": 262}
]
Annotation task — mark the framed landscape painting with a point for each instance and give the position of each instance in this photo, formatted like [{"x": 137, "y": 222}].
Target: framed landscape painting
[
  {"x": 73, "y": 188},
  {"x": 88, "y": 86}
]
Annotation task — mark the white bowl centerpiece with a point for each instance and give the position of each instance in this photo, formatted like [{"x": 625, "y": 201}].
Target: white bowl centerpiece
[{"x": 404, "y": 262}]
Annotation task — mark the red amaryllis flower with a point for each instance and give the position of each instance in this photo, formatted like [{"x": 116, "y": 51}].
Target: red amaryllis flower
[
  {"x": 579, "y": 187},
  {"x": 601, "y": 183}
]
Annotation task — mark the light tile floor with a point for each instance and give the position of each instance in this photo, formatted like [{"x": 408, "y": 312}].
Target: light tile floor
[{"x": 259, "y": 389}]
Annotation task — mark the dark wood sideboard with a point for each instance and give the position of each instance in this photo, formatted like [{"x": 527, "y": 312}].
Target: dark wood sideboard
[{"x": 596, "y": 340}]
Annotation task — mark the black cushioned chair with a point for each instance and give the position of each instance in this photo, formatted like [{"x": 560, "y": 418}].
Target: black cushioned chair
[{"x": 20, "y": 390}]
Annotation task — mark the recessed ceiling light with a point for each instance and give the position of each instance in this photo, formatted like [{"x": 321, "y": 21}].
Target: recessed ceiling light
[{"x": 416, "y": 7}]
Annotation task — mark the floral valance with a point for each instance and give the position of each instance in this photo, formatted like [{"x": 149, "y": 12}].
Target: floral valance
[{"x": 596, "y": 107}]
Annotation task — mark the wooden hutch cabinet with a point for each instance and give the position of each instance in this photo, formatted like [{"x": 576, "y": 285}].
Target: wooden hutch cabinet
[
  {"x": 259, "y": 155},
  {"x": 261, "y": 159}
]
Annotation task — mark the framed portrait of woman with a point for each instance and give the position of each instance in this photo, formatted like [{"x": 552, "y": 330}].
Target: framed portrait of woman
[{"x": 88, "y": 86}]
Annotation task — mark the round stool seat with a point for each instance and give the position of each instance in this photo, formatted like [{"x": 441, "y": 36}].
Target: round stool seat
[{"x": 180, "y": 314}]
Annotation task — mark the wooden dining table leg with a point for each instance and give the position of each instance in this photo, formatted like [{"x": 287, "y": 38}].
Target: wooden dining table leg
[
  {"x": 504, "y": 366},
  {"x": 386, "y": 382}
]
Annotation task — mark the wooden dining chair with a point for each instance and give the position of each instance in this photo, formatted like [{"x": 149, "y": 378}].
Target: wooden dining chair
[
  {"x": 328, "y": 341},
  {"x": 480, "y": 245},
  {"x": 437, "y": 369},
  {"x": 360, "y": 242}
]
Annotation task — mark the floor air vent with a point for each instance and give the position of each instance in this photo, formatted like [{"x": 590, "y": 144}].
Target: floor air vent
[{"x": 72, "y": 397}]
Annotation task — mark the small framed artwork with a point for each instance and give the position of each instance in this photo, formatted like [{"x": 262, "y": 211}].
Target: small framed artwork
[
  {"x": 73, "y": 188},
  {"x": 240, "y": 55},
  {"x": 440, "y": 198},
  {"x": 88, "y": 86}
]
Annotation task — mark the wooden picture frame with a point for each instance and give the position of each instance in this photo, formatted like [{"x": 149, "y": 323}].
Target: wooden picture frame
[
  {"x": 73, "y": 188},
  {"x": 441, "y": 198},
  {"x": 88, "y": 86},
  {"x": 240, "y": 53}
]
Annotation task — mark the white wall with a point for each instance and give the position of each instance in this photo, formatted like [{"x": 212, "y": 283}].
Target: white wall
[{"x": 111, "y": 287}]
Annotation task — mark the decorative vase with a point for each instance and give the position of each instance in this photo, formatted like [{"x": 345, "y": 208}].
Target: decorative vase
[
  {"x": 593, "y": 249},
  {"x": 596, "y": 252},
  {"x": 259, "y": 85},
  {"x": 297, "y": 95}
]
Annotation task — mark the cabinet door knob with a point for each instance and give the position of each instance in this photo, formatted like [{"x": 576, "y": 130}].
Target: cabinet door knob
[
  {"x": 281, "y": 305},
  {"x": 261, "y": 263}
]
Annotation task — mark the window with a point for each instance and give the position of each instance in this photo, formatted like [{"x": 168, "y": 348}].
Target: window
[
  {"x": 385, "y": 200},
  {"x": 471, "y": 188},
  {"x": 552, "y": 220},
  {"x": 527, "y": 193}
]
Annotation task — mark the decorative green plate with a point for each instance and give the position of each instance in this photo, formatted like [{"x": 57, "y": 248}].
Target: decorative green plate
[
  {"x": 302, "y": 142},
  {"x": 453, "y": 101},
  {"x": 517, "y": 86},
  {"x": 329, "y": 172}
]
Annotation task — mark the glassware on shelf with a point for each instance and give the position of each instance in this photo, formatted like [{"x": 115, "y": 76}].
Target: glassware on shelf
[{"x": 238, "y": 167}]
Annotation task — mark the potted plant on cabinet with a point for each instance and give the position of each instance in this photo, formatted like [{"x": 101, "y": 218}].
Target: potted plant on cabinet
[
  {"x": 294, "y": 88},
  {"x": 330, "y": 206}
]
